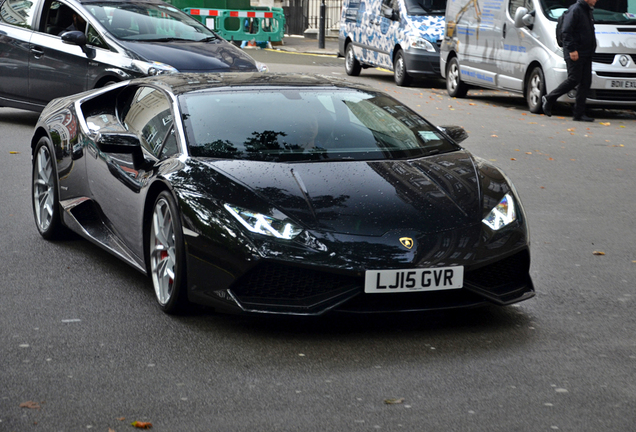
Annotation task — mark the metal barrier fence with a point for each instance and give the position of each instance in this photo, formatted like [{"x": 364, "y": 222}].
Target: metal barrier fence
[
  {"x": 332, "y": 14},
  {"x": 260, "y": 24}
]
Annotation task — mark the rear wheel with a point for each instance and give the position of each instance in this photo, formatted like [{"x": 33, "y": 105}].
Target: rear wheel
[
  {"x": 166, "y": 251},
  {"x": 454, "y": 85},
  {"x": 352, "y": 66},
  {"x": 535, "y": 90},
  {"x": 402, "y": 78},
  {"x": 46, "y": 202}
]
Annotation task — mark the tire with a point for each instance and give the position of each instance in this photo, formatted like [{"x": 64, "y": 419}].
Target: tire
[
  {"x": 454, "y": 84},
  {"x": 352, "y": 66},
  {"x": 166, "y": 255},
  {"x": 402, "y": 78},
  {"x": 46, "y": 201},
  {"x": 535, "y": 90}
]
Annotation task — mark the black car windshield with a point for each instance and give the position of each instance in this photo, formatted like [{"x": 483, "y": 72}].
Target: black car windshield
[
  {"x": 296, "y": 124},
  {"x": 621, "y": 12},
  {"x": 138, "y": 21}
]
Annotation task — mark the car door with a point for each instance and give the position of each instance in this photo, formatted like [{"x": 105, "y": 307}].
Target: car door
[
  {"x": 16, "y": 18},
  {"x": 516, "y": 44},
  {"x": 387, "y": 28},
  {"x": 117, "y": 185},
  {"x": 55, "y": 68}
]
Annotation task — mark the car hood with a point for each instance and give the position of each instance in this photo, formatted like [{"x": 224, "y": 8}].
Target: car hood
[
  {"x": 369, "y": 198},
  {"x": 185, "y": 56}
]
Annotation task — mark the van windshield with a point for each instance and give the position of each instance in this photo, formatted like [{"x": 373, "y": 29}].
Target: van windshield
[
  {"x": 621, "y": 12},
  {"x": 426, "y": 7}
]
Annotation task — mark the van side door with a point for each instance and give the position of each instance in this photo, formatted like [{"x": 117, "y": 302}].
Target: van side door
[{"x": 516, "y": 46}]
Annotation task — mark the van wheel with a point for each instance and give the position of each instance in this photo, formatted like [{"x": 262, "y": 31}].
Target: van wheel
[
  {"x": 352, "y": 66},
  {"x": 454, "y": 85},
  {"x": 535, "y": 90},
  {"x": 402, "y": 78}
]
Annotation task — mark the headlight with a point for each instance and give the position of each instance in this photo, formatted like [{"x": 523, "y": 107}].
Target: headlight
[
  {"x": 154, "y": 68},
  {"x": 262, "y": 67},
  {"x": 503, "y": 214},
  {"x": 421, "y": 43},
  {"x": 263, "y": 224}
]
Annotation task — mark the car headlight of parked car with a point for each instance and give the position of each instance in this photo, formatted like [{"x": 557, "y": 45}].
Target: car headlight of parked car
[
  {"x": 502, "y": 215},
  {"x": 264, "y": 224},
  {"x": 154, "y": 68},
  {"x": 421, "y": 43}
]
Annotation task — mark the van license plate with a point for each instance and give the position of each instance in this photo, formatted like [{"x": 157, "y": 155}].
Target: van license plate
[
  {"x": 621, "y": 84},
  {"x": 414, "y": 280}
]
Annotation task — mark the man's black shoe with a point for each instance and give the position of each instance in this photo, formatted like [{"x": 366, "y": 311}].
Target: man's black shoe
[
  {"x": 584, "y": 118},
  {"x": 546, "y": 106}
]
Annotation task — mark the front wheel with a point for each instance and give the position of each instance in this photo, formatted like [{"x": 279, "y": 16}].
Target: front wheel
[
  {"x": 402, "y": 78},
  {"x": 454, "y": 84},
  {"x": 46, "y": 202},
  {"x": 166, "y": 251},
  {"x": 352, "y": 66},
  {"x": 535, "y": 90}
]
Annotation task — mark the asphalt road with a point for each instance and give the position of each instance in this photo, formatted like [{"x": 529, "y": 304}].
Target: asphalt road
[{"x": 83, "y": 346}]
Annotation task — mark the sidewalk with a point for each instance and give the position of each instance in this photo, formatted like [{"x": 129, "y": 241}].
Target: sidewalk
[{"x": 301, "y": 44}]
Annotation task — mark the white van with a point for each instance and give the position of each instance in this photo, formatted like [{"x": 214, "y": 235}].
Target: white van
[
  {"x": 400, "y": 35},
  {"x": 511, "y": 45}
]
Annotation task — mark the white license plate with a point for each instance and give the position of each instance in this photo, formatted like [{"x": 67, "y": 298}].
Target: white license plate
[
  {"x": 413, "y": 280},
  {"x": 621, "y": 84}
]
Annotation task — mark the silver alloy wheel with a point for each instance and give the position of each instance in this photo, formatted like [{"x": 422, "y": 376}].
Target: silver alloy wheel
[
  {"x": 43, "y": 189},
  {"x": 534, "y": 95},
  {"x": 399, "y": 68},
  {"x": 350, "y": 59},
  {"x": 453, "y": 77},
  {"x": 163, "y": 260},
  {"x": 352, "y": 66}
]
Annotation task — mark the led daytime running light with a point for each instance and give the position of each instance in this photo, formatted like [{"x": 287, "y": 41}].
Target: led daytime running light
[
  {"x": 503, "y": 214},
  {"x": 262, "y": 224}
]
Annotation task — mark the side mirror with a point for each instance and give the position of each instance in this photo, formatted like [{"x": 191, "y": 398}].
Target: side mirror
[
  {"x": 78, "y": 38},
  {"x": 388, "y": 12},
  {"x": 121, "y": 143},
  {"x": 457, "y": 133},
  {"x": 74, "y": 37},
  {"x": 523, "y": 18}
]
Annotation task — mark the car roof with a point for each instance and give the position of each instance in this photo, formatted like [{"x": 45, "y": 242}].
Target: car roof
[{"x": 191, "y": 82}]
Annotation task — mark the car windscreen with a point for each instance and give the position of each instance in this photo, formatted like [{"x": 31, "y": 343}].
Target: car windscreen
[
  {"x": 425, "y": 7},
  {"x": 148, "y": 22},
  {"x": 298, "y": 124},
  {"x": 621, "y": 12}
]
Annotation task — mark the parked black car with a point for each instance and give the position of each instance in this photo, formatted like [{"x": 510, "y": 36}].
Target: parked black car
[
  {"x": 280, "y": 194},
  {"x": 54, "y": 48}
]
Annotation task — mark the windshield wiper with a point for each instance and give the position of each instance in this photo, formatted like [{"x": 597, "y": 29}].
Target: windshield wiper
[{"x": 167, "y": 39}]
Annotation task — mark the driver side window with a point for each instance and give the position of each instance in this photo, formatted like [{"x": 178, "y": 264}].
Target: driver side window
[
  {"x": 149, "y": 116},
  {"x": 60, "y": 18}
]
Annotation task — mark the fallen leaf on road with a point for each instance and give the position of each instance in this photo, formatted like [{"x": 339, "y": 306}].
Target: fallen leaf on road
[
  {"x": 142, "y": 425},
  {"x": 494, "y": 136},
  {"x": 599, "y": 253},
  {"x": 30, "y": 405},
  {"x": 121, "y": 418},
  {"x": 528, "y": 152},
  {"x": 111, "y": 430},
  {"x": 605, "y": 124},
  {"x": 513, "y": 159},
  {"x": 571, "y": 130},
  {"x": 394, "y": 401},
  {"x": 14, "y": 152}
]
